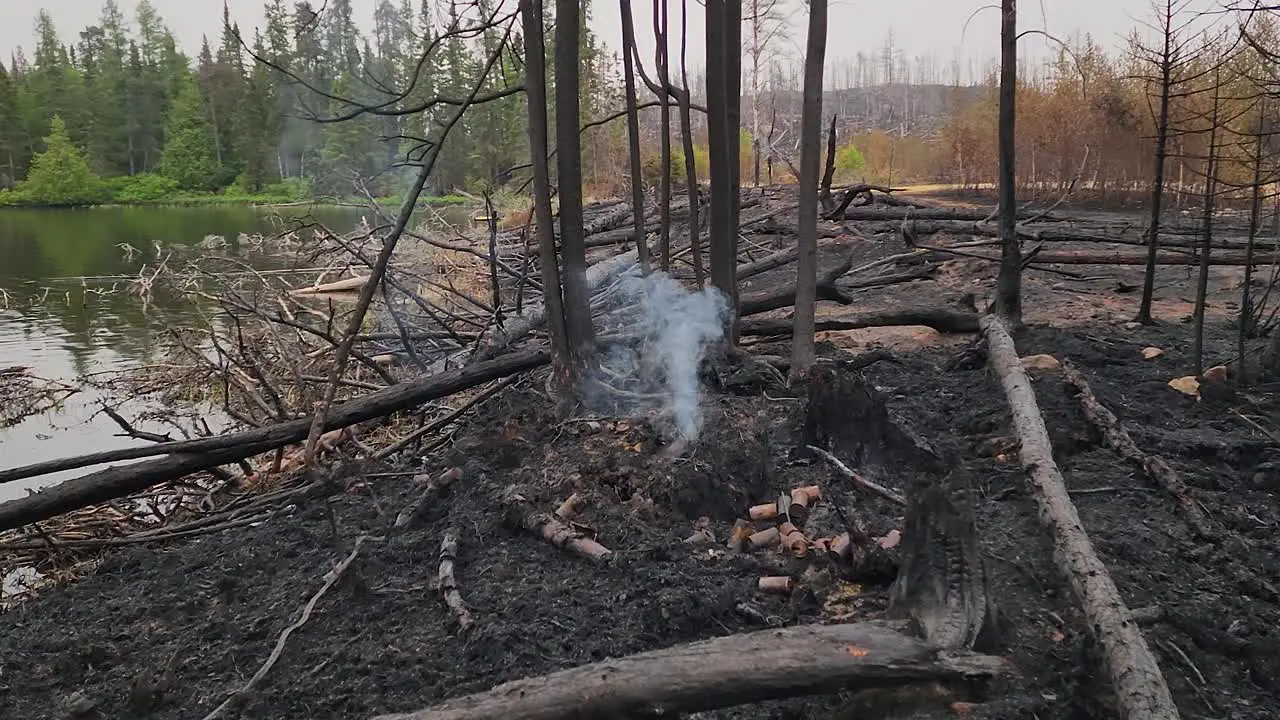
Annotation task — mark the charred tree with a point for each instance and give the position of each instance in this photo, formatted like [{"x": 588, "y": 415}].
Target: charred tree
[
  {"x": 1162, "y": 143},
  {"x": 723, "y": 235},
  {"x": 686, "y": 142},
  {"x": 577, "y": 313},
  {"x": 1009, "y": 282},
  {"x": 802, "y": 341},
  {"x": 535, "y": 88},
  {"x": 1210, "y": 192},
  {"x": 633, "y": 131},
  {"x": 828, "y": 172},
  {"x": 1246, "y": 325},
  {"x": 661, "y": 56}
]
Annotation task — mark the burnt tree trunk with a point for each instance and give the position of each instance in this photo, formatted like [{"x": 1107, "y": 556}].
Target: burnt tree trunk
[
  {"x": 535, "y": 90},
  {"x": 829, "y": 173},
  {"x": 633, "y": 132},
  {"x": 802, "y": 339},
  {"x": 690, "y": 159},
  {"x": 1210, "y": 193},
  {"x": 722, "y": 234},
  {"x": 577, "y": 313},
  {"x": 1157, "y": 183},
  {"x": 661, "y": 56},
  {"x": 1009, "y": 281}
]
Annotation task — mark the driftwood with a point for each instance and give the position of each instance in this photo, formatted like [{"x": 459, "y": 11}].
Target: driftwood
[
  {"x": 1154, "y": 466},
  {"x": 449, "y": 592},
  {"x": 1139, "y": 685},
  {"x": 723, "y": 672},
  {"x": 345, "y": 285},
  {"x": 195, "y": 455},
  {"x": 941, "y": 319}
]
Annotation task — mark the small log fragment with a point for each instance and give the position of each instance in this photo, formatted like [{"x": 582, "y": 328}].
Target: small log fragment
[
  {"x": 764, "y": 538},
  {"x": 1139, "y": 685},
  {"x": 811, "y": 493},
  {"x": 841, "y": 548},
  {"x": 434, "y": 489},
  {"x": 723, "y": 672},
  {"x": 739, "y": 537},
  {"x": 781, "y": 584},
  {"x": 791, "y": 510},
  {"x": 764, "y": 511},
  {"x": 571, "y": 507},
  {"x": 449, "y": 583},
  {"x": 793, "y": 541},
  {"x": 345, "y": 285},
  {"x": 556, "y": 533}
]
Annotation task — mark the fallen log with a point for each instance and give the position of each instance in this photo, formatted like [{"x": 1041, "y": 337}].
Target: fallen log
[
  {"x": 941, "y": 319},
  {"x": 1153, "y": 466},
  {"x": 918, "y": 225},
  {"x": 1069, "y": 257},
  {"x": 1139, "y": 685},
  {"x": 723, "y": 672},
  {"x": 191, "y": 456},
  {"x": 900, "y": 214},
  {"x": 757, "y": 303}
]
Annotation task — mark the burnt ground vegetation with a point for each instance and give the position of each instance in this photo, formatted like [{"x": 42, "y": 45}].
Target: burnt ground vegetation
[
  {"x": 171, "y": 630},
  {"x": 168, "y": 632}
]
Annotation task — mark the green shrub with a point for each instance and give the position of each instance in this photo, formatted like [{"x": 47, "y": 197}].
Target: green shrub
[{"x": 143, "y": 188}]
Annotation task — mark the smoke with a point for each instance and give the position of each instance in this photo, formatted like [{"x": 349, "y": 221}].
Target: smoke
[{"x": 653, "y": 336}]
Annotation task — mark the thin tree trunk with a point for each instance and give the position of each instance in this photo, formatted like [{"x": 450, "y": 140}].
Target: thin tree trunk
[
  {"x": 1157, "y": 184},
  {"x": 802, "y": 340},
  {"x": 733, "y": 116},
  {"x": 690, "y": 159},
  {"x": 1246, "y": 322},
  {"x": 829, "y": 172},
  {"x": 633, "y": 132},
  {"x": 1009, "y": 281},
  {"x": 1210, "y": 190},
  {"x": 756, "y": 52},
  {"x": 661, "y": 56},
  {"x": 536, "y": 96},
  {"x": 723, "y": 251}
]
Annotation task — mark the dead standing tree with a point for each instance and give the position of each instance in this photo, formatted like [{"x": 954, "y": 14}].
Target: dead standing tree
[
  {"x": 633, "y": 130},
  {"x": 802, "y": 342},
  {"x": 1009, "y": 282},
  {"x": 724, "y": 61}
]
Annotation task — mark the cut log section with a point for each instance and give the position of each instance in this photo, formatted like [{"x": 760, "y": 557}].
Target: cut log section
[
  {"x": 547, "y": 527},
  {"x": 1139, "y": 685},
  {"x": 723, "y": 672}
]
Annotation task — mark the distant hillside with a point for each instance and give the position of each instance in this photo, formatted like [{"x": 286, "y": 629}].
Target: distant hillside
[{"x": 914, "y": 109}]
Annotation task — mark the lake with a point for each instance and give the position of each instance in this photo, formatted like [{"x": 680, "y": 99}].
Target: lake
[{"x": 65, "y": 308}]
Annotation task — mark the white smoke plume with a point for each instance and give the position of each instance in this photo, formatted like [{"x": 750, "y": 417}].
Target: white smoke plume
[{"x": 653, "y": 336}]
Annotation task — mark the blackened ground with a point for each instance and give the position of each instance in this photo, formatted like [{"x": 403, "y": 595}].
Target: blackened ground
[{"x": 168, "y": 632}]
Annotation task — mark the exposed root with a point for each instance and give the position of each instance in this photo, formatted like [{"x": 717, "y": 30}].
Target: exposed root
[{"x": 449, "y": 583}]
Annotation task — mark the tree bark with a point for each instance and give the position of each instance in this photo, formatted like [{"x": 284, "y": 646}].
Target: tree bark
[
  {"x": 802, "y": 339},
  {"x": 535, "y": 90},
  {"x": 633, "y": 132},
  {"x": 191, "y": 456},
  {"x": 577, "y": 314},
  {"x": 1009, "y": 281},
  {"x": 1139, "y": 685},
  {"x": 722, "y": 672}
]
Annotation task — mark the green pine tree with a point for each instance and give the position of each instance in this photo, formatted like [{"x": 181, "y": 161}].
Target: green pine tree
[
  {"x": 60, "y": 175},
  {"x": 190, "y": 157}
]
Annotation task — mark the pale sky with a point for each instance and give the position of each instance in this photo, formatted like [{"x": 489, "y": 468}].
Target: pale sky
[{"x": 920, "y": 26}]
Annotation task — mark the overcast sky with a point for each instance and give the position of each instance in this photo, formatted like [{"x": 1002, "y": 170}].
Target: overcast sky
[{"x": 921, "y": 27}]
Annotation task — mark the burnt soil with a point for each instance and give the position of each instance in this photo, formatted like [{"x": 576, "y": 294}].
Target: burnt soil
[{"x": 169, "y": 631}]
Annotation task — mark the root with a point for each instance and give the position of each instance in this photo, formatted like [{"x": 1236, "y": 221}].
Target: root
[{"x": 555, "y": 532}]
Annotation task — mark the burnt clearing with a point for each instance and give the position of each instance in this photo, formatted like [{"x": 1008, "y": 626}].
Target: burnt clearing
[{"x": 172, "y": 631}]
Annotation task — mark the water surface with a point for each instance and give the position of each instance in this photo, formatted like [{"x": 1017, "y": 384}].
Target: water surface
[{"x": 66, "y": 311}]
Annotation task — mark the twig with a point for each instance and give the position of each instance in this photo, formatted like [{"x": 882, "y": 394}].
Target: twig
[
  {"x": 330, "y": 579},
  {"x": 449, "y": 583},
  {"x": 860, "y": 481}
]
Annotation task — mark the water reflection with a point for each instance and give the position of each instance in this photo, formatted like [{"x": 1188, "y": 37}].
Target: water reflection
[{"x": 66, "y": 309}]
